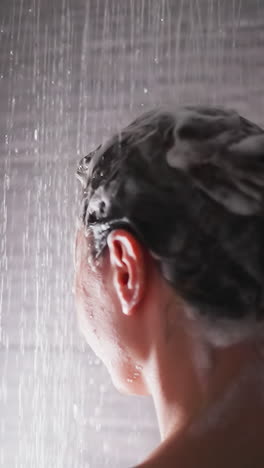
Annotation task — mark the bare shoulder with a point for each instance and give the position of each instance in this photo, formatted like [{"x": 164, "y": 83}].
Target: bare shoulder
[{"x": 221, "y": 446}]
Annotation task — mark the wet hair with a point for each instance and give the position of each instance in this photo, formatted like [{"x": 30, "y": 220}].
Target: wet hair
[{"x": 189, "y": 184}]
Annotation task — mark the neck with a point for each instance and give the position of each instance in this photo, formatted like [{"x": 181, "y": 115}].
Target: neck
[
  {"x": 192, "y": 382},
  {"x": 217, "y": 422}
]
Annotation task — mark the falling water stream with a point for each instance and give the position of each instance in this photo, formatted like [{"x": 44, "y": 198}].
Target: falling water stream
[{"x": 71, "y": 72}]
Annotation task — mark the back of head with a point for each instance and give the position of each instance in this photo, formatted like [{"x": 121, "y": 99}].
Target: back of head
[{"x": 189, "y": 184}]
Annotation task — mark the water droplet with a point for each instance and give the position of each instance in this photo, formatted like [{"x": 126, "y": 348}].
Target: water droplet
[
  {"x": 7, "y": 181},
  {"x": 98, "y": 427},
  {"x": 106, "y": 447},
  {"x": 75, "y": 410},
  {"x": 91, "y": 421}
]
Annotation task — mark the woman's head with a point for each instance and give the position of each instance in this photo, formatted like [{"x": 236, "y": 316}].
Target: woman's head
[
  {"x": 125, "y": 308},
  {"x": 188, "y": 187}
]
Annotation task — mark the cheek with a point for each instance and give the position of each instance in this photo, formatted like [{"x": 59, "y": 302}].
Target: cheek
[
  {"x": 85, "y": 303},
  {"x": 92, "y": 313},
  {"x": 95, "y": 321},
  {"x": 87, "y": 322}
]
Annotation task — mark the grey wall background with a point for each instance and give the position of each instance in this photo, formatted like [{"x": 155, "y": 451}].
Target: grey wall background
[{"x": 71, "y": 72}]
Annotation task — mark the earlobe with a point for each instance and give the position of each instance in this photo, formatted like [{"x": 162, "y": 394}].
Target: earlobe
[{"x": 127, "y": 262}]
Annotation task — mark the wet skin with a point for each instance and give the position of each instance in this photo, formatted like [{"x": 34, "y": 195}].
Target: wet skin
[{"x": 210, "y": 418}]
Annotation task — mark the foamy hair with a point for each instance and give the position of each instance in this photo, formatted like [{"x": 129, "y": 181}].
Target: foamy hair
[
  {"x": 189, "y": 184},
  {"x": 224, "y": 332}
]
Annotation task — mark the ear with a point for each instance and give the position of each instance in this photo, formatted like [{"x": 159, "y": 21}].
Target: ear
[{"x": 129, "y": 270}]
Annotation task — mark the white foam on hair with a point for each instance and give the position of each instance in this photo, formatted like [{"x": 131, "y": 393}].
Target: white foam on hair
[{"x": 222, "y": 332}]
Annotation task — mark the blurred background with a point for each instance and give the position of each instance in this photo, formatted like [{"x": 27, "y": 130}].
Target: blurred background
[{"x": 71, "y": 73}]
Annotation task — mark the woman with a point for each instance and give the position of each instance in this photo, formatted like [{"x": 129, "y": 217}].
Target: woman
[{"x": 169, "y": 278}]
